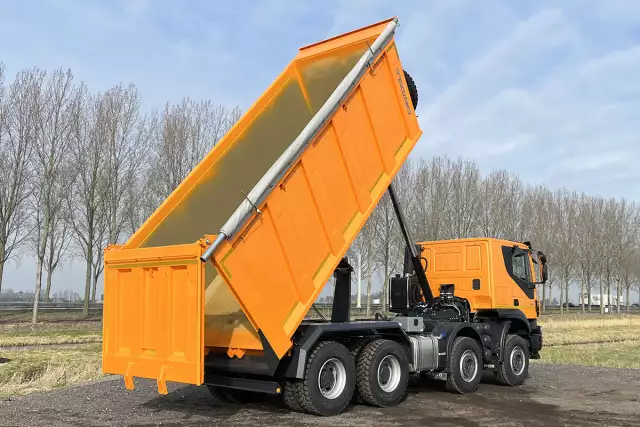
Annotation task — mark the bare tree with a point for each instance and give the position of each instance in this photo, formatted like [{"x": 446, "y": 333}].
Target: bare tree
[
  {"x": 500, "y": 211},
  {"x": 122, "y": 130},
  {"x": 185, "y": 133},
  {"x": 432, "y": 185},
  {"x": 54, "y": 105},
  {"x": 59, "y": 241},
  {"x": 384, "y": 242},
  {"x": 624, "y": 244},
  {"x": 464, "y": 199},
  {"x": 606, "y": 246},
  {"x": 17, "y": 134},
  {"x": 86, "y": 199},
  {"x": 590, "y": 210},
  {"x": 564, "y": 217},
  {"x": 541, "y": 228},
  {"x": 362, "y": 247}
]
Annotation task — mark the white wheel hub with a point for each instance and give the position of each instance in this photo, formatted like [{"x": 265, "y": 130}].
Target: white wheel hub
[
  {"x": 332, "y": 378},
  {"x": 389, "y": 373},
  {"x": 517, "y": 360},
  {"x": 468, "y": 366}
]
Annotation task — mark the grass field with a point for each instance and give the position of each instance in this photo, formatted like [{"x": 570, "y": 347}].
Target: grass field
[
  {"x": 610, "y": 341},
  {"x": 13, "y": 317},
  {"x": 47, "y": 368},
  {"x": 12, "y": 335}
]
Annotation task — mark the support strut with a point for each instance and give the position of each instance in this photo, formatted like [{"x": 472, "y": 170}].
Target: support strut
[{"x": 415, "y": 256}]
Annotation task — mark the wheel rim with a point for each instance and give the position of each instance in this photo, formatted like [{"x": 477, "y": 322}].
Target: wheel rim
[
  {"x": 389, "y": 373},
  {"x": 468, "y": 366},
  {"x": 332, "y": 378},
  {"x": 517, "y": 361}
]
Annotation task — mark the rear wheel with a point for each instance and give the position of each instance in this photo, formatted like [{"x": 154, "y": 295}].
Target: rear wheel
[
  {"x": 465, "y": 366},
  {"x": 382, "y": 373},
  {"x": 515, "y": 364},
  {"x": 329, "y": 380},
  {"x": 356, "y": 348}
]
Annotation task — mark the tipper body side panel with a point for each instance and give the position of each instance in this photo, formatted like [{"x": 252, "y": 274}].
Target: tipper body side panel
[
  {"x": 278, "y": 263},
  {"x": 220, "y": 182}
]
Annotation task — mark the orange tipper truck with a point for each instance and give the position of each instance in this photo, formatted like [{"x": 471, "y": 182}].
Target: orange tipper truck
[{"x": 214, "y": 288}]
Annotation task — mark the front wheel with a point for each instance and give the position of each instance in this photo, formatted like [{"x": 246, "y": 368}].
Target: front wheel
[
  {"x": 515, "y": 364},
  {"x": 465, "y": 366}
]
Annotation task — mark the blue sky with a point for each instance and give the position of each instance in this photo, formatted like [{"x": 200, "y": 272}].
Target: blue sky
[{"x": 549, "y": 90}]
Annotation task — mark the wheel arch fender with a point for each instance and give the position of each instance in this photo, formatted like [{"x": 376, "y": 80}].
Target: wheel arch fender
[
  {"x": 293, "y": 366},
  {"x": 450, "y": 331},
  {"x": 503, "y": 323}
]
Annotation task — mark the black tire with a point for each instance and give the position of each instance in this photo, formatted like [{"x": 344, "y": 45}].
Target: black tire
[
  {"x": 290, "y": 396},
  {"x": 339, "y": 382},
  {"x": 382, "y": 363},
  {"x": 465, "y": 366},
  {"x": 356, "y": 348},
  {"x": 515, "y": 366},
  {"x": 412, "y": 88}
]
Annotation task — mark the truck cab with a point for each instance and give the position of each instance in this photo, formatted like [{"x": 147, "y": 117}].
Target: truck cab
[
  {"x": 495, "y": 278},
  {"x": 492, "y": 274}
]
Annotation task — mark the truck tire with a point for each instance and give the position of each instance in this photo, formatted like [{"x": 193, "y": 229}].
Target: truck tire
[
  {"x": 329, "y": 379},
  {"x": 412, "y": 89},
  {"x": 515, "y": 364},
  {"x": 465, "y": 366},
  {"x": 382, "y": 373},
  {"x": 356, "y": 348},
  {"x": 290, "y": 396}
]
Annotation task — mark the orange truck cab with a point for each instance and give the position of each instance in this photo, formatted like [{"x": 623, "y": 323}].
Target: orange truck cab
[
  {"x": 213, "y": 289},
  {"x": 493, "y": 279}
]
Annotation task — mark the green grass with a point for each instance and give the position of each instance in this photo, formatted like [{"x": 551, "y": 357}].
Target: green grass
[
  {"x": 26, "y": 371},
  {"x": 619, "y": 355},
  {"x": 50, "y": 333},
  {"x": 607, "y": 341},
  {"x": 48, "y": 316}
]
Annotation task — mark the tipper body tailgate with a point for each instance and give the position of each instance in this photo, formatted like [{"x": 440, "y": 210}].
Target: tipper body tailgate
[{"x": 153, "y": 314}]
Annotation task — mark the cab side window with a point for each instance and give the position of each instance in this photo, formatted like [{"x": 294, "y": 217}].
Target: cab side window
[{"x": 520, "y": 266}]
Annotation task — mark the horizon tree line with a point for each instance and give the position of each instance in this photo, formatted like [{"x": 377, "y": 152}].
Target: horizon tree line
[{"x": 84, "y": 169}]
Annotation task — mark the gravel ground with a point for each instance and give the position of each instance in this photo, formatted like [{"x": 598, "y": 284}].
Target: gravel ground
[{"x": 553, "y": 396}]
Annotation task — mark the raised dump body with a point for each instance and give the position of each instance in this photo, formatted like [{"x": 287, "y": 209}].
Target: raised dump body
[{"x": 272, "y": 209}]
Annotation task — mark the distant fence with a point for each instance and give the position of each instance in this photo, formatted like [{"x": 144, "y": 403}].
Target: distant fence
[
  {"x": 48, "y": 306},
  {"x": 323, "y": 308}
]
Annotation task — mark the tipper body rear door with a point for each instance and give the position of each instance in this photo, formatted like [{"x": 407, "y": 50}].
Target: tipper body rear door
[{"x": 153, "y": 314}]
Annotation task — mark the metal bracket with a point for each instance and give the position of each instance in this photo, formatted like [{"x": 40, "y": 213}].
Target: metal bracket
[{"x": 255, "y": 208}]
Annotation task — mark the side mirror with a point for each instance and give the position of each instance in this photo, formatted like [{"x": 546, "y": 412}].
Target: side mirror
[{"x": 545, "y": 273}]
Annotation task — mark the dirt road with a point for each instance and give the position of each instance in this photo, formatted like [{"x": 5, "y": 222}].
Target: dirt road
[{"x": 554, "y": 396}]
